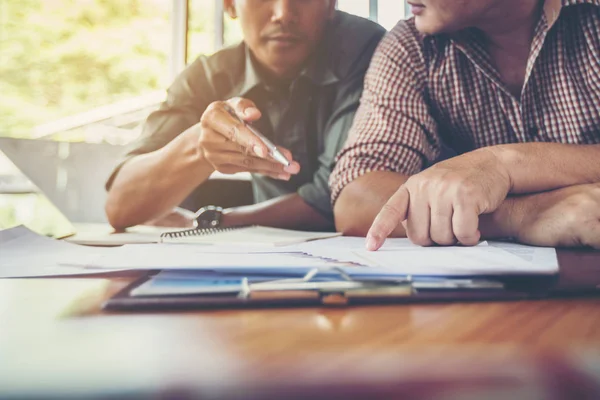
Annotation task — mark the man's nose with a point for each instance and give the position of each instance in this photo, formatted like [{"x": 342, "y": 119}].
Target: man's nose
[{"x": 285, "y": 11}]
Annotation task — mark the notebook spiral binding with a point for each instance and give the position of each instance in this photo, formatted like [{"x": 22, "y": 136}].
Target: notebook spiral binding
[{"x": 198, "y": 232}]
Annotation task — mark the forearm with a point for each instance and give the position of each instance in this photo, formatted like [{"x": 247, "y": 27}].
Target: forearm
[
  {"x": 504, "y": 222},
  {"x": 538, "y": 167},
  {"x": 361, "y": 200},
  {"x": 510, "y": 219},
  {"x": 564, "y": 217},
  {"x": 151, "y": 185},
  {"x": 289, "y": 211}
]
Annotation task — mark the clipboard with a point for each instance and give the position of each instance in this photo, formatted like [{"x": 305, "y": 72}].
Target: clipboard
[{"x": 310, "y": 291}]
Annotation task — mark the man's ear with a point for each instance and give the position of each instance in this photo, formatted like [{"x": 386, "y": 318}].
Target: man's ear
[{"x": 229, "y": 7}]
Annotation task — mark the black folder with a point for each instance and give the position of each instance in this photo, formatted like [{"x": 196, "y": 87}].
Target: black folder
[{"x": 310, "y": 291}]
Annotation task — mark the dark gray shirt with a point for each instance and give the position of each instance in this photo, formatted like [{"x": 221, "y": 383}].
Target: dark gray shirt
[{"x": 311, "y": 119}]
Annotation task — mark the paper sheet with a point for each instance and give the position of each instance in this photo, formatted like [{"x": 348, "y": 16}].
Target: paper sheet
[
  {"x": 24, "y": 253},
  {"x": 400, "y": 256},
  {"x": 343, "y": 248},
  {"x": 103, "y": 235},
  {"x": 198, "y": 248},
  {"x": 455, "y": 260},
  {"x": 541, "y": 256},
  {"x": 160, "y": 256}
]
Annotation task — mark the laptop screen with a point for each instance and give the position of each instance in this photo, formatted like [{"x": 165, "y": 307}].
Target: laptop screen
[{"x": 22, "y": 203}]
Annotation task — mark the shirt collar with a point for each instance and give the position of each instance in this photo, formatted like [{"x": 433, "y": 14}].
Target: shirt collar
[
  {"x": 319, "y": 69},
  {"x": 251, "y": 78},
  {"x": 552, "y": 8}
]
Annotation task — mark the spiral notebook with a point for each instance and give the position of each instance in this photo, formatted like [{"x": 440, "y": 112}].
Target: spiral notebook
[{"x": 244, "y": 235}]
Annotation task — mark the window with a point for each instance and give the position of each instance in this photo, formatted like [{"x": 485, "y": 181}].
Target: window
[
  {"x": 62, "y": 58},
  {"x": 232, "y": 32},
  {"x": 202, "y": 30},
  {"x": 389, "y": 12},
  {"x": 210, "y": 28},
  {"x": 89, "y": 68},
  {"x": 356, "y": 7},
  {"x": 386, "y": 12}
]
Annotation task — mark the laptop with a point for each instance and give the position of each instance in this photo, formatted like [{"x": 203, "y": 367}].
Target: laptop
[
  {"x": 61, "y": 183},
  {"x": 67, "y": 191},
  {"x": 71, "y": 175}
]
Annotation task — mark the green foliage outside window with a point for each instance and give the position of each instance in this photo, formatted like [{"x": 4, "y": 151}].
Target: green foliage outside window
[{"x": 62, "y": 57}]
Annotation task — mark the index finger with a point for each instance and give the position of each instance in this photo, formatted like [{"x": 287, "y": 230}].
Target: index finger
[
  {"x": 392, "y": 213},
  {"x": 221, "y": 120},
  {"x": 294, "y": 166},
  {"x": 244, "y": 108}
]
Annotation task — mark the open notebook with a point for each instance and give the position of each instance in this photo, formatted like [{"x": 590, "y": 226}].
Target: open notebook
[{"x": 251, "y": 235}]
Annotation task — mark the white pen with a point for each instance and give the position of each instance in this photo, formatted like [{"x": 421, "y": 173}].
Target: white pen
[{"x": 273, "y": 151}]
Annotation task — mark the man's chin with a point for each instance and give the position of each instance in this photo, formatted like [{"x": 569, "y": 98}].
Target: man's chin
[
  {"x": 427, "y": 26},
  {"x": 285, "y": 68}
]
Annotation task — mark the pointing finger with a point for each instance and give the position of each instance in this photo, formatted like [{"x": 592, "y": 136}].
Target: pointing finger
[{"x": 392, "y": 214}]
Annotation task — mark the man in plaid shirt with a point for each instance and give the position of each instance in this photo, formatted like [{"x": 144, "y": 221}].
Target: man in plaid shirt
[{"x": 512, "y": 87}]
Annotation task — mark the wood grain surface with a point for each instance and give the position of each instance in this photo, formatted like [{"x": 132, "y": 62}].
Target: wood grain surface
[{"x": 56, "y": 342}]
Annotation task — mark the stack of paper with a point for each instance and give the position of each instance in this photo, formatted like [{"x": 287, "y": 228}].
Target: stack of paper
[
  {"x": 24, "y": 253},
  {"x": 400, "y": 256}
]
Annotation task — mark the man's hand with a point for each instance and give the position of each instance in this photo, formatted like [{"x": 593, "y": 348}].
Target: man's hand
[
  {"x": 230, "y": 147},
  {"x": 568, "y": 217},
  {"x": 442, "y": 204}
]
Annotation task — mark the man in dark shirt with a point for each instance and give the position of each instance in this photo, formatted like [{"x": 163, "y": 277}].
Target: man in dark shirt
[{"x": 297, "y": 76}]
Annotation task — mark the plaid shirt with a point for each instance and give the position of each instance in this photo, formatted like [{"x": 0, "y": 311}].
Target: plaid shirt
[{"x": 423, "y": 93}]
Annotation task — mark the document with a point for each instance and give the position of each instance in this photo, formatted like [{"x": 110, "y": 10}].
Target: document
[
  {"x": 104, "y": 235},
  {"x": 344, "y": 248},
  {"x": 541, "y": 256},
  {"x": 169, "y": 256},
  {"x": 458, "y": 260},
  {"x": 24, "y": 253},
  {"x": 401, "y": 256}
]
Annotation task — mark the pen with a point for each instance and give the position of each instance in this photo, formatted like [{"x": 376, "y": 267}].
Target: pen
[{"x": 273, "y": 151}]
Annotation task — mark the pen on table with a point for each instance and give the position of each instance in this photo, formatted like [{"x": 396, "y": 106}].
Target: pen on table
[{"x": 275, "y": 153}]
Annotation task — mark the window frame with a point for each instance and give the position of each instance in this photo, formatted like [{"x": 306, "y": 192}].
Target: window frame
[{"x": 180, "y": 12}]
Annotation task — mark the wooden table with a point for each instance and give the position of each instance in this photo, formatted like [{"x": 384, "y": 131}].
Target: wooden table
[{"x": 54, "y": 340}]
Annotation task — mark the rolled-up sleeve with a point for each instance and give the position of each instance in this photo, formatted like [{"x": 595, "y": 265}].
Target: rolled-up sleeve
[
  {"x": 183, "y": 107},
  {"x": 393, "y": 129}
]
